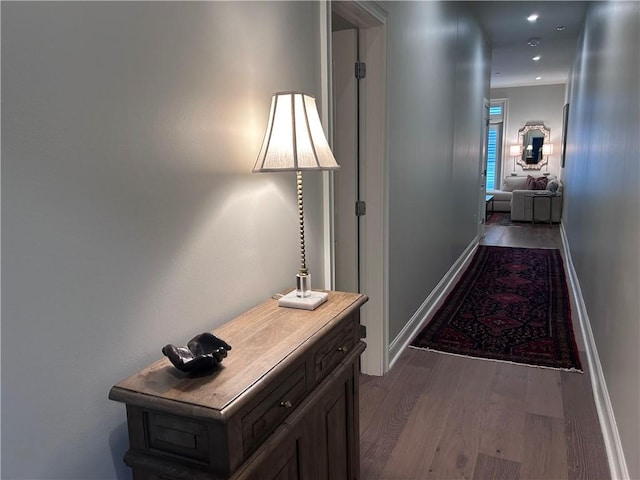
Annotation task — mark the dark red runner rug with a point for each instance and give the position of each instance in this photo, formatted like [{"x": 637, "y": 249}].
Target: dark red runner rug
[
  {"x": 501, "y": 218},
  {"x": 512, "y": 305}
]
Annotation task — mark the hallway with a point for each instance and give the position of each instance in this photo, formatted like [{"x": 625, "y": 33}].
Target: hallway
[{"x": 436, "y": 416}]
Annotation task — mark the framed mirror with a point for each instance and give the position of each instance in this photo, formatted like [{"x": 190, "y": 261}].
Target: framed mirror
[{"x": 531, "y": 138}]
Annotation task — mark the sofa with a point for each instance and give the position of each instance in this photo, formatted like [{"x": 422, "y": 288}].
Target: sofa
[
  {"x": 516, "y": 197},
  {"x": 502, "y": 197}
]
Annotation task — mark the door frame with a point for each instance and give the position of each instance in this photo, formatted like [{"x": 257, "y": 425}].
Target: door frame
[
  {"x": 484, "y": 163},
  {"x": 370, "y": 19}
]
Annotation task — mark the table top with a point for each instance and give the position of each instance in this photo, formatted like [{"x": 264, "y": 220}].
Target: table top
[
  {"x": 542, "y": 193},
  {"x": 260, "y": 339},
  {"x": 488, "y": 198}
]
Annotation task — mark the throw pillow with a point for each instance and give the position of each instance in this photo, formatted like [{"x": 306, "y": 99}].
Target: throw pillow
[
  {"x": 541, "y": 183},
  {"x": 553, "y": 186},
  {"x": 531, "y": 183}
]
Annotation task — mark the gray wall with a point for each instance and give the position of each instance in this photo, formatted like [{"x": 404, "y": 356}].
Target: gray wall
[
  {"x": 438, "y": 78},
  {"x": 130, "y": 218},
  {"x": 536, "y": 103},
  {"x": 602, "y": 202}
]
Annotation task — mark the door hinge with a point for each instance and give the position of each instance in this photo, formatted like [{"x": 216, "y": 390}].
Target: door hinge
[
  {"x": 361, "y": 70},
  {"x": 361, "y": 208}
]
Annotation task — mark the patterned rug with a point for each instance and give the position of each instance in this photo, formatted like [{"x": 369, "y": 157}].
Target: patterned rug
[
  {"x": 511, "y": 305},
  {"x": 502, "y": 219}
]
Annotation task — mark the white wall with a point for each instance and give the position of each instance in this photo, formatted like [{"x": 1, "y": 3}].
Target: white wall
[
  {"x": 438, "y": 77},
  {"x": 602, "y": 202},
  {"x": 540, "y": 103},
  {"x": 130, "y": 218}
]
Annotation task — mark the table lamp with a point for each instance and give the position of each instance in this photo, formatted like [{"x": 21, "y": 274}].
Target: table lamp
[
  {"x": 547, "y": 149},
  {"x": 514, "y": 151},
  {"x": 294, "y": 141}
]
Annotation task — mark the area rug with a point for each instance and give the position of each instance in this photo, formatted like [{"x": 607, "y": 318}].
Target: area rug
[
  {"x": 502, "y": 219},
  {"x": 510, "y": 305}
]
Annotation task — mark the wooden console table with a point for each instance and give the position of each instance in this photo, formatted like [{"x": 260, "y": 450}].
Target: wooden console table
[{"x": 283, "y": 404}]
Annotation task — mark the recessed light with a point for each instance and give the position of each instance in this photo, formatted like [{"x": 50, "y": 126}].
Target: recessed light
[
  {"x": 560, "y": 28},
  {"x": 533, "y": 42},
  {"x": 536, "y": 58},
  {"x": 532, "y": 18},
  {"x": 538, "y": 78}
]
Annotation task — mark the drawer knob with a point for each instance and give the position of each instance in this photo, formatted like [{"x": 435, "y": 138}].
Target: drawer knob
[
  {"x": 286, "y": 404},
  {"x": 343, "y": 349}
]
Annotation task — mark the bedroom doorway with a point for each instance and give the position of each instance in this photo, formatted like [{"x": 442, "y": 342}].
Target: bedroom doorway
[
  {"x": 359, "y": 140},
  {"x": 346, "y": 149}
]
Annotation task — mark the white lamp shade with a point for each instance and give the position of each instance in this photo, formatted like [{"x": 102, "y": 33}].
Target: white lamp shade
[
  {"x": 514, "y": 150},
  {"x": 294, "y": 139},
  {"x": 547, "y": 149}
]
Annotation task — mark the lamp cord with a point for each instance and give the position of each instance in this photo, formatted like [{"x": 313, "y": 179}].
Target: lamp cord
[{"x": 303, "y": 261}]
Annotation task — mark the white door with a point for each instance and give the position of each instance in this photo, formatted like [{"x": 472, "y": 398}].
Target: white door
[{"x": 345, "y": 149}]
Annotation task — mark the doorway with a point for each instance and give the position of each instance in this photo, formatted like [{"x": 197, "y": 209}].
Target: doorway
[
  {"x": 346, "y": 150},
  {"x": 359, "y": 138},
  {"x": 492, "y": 148}
]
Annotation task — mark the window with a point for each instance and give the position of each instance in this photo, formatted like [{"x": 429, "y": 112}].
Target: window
[
  {"x": 494, "y": 144},
  {"x": 495, "y": 111},
  {"x": 491, "y": 157}
]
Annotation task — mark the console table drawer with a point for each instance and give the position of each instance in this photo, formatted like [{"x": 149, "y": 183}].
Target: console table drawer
[
  {"x": 334, "y": 349},
  {"x": 273, "y": 409},
  {"x": 178, "y": 436}
]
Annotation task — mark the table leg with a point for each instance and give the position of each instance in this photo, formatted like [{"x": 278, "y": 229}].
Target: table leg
[{"x": 533, "y": 207}]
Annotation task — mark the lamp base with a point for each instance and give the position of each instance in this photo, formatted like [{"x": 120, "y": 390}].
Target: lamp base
[
  {"x": 303, "y": 285},
  {"x": 315, "y": 299}
]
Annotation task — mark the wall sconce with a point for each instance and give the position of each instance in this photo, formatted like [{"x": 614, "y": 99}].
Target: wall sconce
[
  {"x": 294, "y": 141},
  {"x": 515, "y": 151}
]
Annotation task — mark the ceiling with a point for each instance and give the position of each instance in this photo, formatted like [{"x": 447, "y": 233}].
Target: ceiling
[{"x": 507, "y": 29}]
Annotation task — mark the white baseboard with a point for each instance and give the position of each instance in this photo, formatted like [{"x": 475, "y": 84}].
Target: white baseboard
[
  {"x": 419, "y": 319},
  {"x": 615, "y": 454}
]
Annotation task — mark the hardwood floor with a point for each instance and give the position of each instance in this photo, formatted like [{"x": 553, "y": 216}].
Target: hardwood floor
[{"x": 436, "y": 416}]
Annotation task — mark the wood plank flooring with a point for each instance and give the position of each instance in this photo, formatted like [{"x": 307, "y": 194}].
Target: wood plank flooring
[{"x": 436, "y": 416}]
